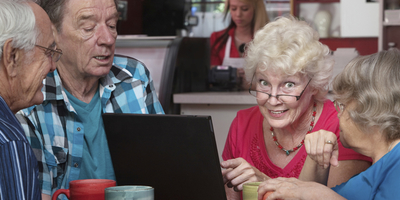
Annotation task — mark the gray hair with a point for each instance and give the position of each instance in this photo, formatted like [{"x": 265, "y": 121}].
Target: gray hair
[
  {"x": 373, "y": 83},
  {"x": 290, "y": 46},
  {"x": 17, "y": 21},
  {"x": 55, "y": 10}
]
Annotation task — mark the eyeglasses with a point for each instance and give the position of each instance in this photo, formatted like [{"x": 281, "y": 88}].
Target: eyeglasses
[
  {"x": 338, "y": 106},
  {"x": 54, "y": 53},
  {"x": 284, "y": 98}
]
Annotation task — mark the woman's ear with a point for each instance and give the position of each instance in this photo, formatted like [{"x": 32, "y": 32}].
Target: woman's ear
[{"x": 9, "y": 58}]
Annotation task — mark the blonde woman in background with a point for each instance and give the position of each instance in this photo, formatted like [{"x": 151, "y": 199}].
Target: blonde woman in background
[{"x": 247, "y": 16}]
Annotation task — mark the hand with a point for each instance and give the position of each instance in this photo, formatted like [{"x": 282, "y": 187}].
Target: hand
[
  {"x": 244, "y": 85},
  {"x": 292, "y": 188},
  {"x": 240, "y": 72},
  {"x": 322, "y": 147},
  {"x": 238, "y": 171}
]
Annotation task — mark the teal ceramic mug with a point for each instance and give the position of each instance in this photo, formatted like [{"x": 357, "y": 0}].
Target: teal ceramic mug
[{"x": 129, "y": 192}]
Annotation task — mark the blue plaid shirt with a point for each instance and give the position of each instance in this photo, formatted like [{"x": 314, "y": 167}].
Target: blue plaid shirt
[{"x": 55, "y": 131}]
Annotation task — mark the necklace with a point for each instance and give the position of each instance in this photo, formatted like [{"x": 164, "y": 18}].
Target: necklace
[
  {"x": 302, "y": 142},
  {"x": 239, "y": 40}
]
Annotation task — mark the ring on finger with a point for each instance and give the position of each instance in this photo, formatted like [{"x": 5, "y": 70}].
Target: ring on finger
[{"x": 328, "y": 142}]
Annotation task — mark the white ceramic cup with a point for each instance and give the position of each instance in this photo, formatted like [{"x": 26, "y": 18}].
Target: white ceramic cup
[{"x": 129, "y": 192}]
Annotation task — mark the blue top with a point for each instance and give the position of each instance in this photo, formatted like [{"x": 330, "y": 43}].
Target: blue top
[
  {"x": 19, "y": 172},
  {"x": 96, "y": 160},
  {"x": 56, "y": 132},
  {"x": 380, "y": 181}
]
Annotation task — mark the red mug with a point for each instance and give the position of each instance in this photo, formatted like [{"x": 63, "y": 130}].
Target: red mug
[{"x": 85, "y": 189}]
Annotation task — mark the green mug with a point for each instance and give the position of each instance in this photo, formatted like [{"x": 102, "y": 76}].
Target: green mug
[
  {"x": 129, "y": 192},
  {"x": 250, "y": 191}
]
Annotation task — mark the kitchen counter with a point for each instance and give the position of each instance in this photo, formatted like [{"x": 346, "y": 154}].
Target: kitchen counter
[{"x": 230, "y": 98}]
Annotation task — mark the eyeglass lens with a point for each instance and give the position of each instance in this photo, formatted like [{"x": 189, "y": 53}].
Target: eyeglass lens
[
  {"x": 339, "y": 107},
  {"x": 265, "y": 96},
  {"x": 54, "y": 53},
  {"x": 284, "y": 98}
]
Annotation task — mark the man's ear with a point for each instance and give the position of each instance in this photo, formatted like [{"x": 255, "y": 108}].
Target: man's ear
[{"x": 9, "y": 58}]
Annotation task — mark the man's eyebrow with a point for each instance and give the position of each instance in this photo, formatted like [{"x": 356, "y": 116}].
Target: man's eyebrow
[{"x": 84, "y": 17}]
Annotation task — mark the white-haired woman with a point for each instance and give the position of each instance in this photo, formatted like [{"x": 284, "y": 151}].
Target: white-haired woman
[
  {"x": 289, "y": 71},
  {"x": 367, "y": 96}
]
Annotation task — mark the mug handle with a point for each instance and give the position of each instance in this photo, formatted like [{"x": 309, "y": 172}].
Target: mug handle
[{"x": 60, "y": 191}]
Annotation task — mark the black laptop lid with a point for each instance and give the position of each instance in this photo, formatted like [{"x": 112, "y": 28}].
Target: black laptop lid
[{"x": 175, "y": 154}]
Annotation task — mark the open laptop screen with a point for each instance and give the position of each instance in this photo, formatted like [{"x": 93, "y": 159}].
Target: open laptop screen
[{"x": 175, "y": 154}]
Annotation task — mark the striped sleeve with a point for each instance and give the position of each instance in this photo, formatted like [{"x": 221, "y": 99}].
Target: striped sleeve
[{"x": 18, "y": 172}]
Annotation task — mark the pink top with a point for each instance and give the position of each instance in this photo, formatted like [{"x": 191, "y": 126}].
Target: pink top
[{"x": 246, "y": 140}]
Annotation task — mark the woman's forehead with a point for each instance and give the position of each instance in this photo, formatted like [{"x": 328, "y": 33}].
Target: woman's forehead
[{"x": 278, "y": 74}]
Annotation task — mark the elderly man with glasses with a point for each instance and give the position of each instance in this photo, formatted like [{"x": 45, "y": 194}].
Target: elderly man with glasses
[
  {"x": 27, "y": 54},
  {"x": 289, "y": 71}
]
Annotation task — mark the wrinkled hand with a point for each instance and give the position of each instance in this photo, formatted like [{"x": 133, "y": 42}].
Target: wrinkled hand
[
  {"x": 322, "y": 147},
  {"x": 292, "y": 188},
  {"x": 238, "y": 171}
]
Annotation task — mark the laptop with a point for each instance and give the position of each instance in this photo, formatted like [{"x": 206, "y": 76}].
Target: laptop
[{"x": 175, "y": 154}]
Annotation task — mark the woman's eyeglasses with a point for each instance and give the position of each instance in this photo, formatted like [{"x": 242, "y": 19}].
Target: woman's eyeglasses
[
  {"x": 54, "y": 53},
  {"x": 339, "y": 106},
  {"x": 284, "y": 98}
]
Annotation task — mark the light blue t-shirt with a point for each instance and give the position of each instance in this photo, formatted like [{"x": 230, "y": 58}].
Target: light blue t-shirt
[
  {"x": 380, "y": 181},
  {"x": 96, "y": 159}
]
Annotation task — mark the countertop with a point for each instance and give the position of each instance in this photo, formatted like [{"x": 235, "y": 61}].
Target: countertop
[
  {"x": 143, "y": 41},
  {"x": 227, "y": 98},
  {"x": 237, "y": 98}
]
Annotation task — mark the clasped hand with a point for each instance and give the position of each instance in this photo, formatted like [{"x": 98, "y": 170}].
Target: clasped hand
[
  {"x": 238, "y": 171},
  {"x": 322, "y": 147}
]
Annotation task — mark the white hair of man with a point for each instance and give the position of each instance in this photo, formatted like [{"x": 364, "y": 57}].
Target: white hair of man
[{"x": 17, "y": 21}]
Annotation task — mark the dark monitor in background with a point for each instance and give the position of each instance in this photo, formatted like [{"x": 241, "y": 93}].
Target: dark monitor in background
[
  {"x": 164, "y": 17},
  {"x": 130, "y": 21},
  {"x": 152, "y": 17}
]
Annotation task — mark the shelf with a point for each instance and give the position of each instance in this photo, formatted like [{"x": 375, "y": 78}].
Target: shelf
[
  {"x": 390, "y": 24},
  {"x": 296, "y": 4},
  {"x": 312, "y": 1},
  {"x": 364, "y": 46},
  {"x": 277, "y": 1},
  {"x": 389, "y": 28}
]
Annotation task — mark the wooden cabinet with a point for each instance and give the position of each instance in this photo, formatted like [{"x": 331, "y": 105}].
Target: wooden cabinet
[
  {"x": 389, "y": 23},
  {"x": 364, "y": 45}
]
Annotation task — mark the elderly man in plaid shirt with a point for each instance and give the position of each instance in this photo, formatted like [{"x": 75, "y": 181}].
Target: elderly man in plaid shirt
[{"x": 66, "y": 131}]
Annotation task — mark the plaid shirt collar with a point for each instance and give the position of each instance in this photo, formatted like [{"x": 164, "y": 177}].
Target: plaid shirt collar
[{"x": 53, "y": 89}]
